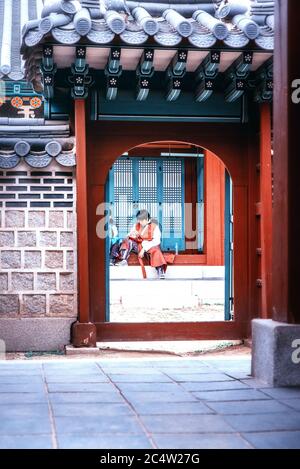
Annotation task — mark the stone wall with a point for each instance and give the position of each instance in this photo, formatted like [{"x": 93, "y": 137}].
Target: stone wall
[{"x": 37, "y": 243}]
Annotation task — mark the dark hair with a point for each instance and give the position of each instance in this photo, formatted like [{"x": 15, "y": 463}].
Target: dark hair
[{"x": 143, "y": 215}]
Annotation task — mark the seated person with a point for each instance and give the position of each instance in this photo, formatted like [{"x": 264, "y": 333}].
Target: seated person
[
  {"x": 114, "y": 241},
  {"x": 144, "y": 240}
]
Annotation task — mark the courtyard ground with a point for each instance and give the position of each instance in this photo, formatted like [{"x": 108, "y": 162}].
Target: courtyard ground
[{"x": 149, "y": 401}]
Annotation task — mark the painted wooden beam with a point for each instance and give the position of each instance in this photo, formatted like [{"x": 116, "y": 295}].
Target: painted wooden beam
[{"x": 170, "y": 331}]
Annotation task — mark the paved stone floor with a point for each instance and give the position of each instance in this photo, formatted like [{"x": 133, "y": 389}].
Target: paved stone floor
[{"x": 144, "y": 403}]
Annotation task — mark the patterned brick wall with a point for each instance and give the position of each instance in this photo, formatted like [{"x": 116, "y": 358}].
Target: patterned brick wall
[{"x": 38, "y": 242}]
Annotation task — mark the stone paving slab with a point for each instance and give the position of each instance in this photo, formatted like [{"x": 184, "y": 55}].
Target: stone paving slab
[
  {"x": 190, "y": 424},
  {"x": 80, "y": 387},
  {"x": 22, "y": 387},
  {"x": 90, "y": 410},
  {"x": 93, "y": 378},
  {"x": 17, "y": 397},
  {"x": 231, "y": 395},
  {"x": 96, "y": 424},
  {"x": 157, "y": 387},
  {"x": 196, "y": 378},
  {"x": 283, "y": 393},
  {"x": 26, "y": 442},
  {"x": 71, "y": 441},
  {"x": 88, "y": 397},
  {"x": 174, "y": 403},
  {"x": 171, "y": 408},
  {"x": 214, "y": 386},
  {"x": 17, "y": 379},
  {"x": 132, "y": 378},
  {"x": 274, "y": 440},
  {"x": 247, "y": 407},
  {"x": 153, "y": 396},
  {"x": 20, "y": 425},
  {"x": 201, "y": 441},
  {"x": 292, "y": 403},
  {"x": 264, "y": 422}
]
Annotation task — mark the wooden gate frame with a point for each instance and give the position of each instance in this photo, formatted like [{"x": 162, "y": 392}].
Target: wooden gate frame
[{"x": 99, "y": 144}]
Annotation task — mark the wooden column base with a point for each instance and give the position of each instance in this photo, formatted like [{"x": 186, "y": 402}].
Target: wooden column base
[{"x": 83, "y": 334}]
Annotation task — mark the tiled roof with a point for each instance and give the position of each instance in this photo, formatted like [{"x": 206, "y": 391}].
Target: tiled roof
[
  {"x": 35, "y": 141},
  {"x": 201, "y": 22},
  {"x": 14, "y": 14}
]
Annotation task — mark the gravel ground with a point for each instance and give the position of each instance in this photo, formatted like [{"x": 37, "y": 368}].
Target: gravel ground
[{"x": 202, "y": 313}]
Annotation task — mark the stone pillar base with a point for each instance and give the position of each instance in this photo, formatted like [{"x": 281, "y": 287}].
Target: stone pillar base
[
  {"x": 35, "y": 334},
  {"x": 276, "y": 352},
  {"x": 83, "y": 334}
]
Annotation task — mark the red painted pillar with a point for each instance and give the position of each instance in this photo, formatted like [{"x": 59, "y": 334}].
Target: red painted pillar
[
  {"x": 266, "y": 209},
  {"x": 214, "y": 209},
  {"x": 84, "y": 332},
  {"x": 286, "y": 218}
]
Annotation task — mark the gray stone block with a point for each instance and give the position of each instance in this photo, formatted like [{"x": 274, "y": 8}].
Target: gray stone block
[
  {"x": 35, "y": 334},
  {"x": 7, "y": 239},
  {"x": 48, "y": 238},
  {"x": 62, "y": 305},
  {"x": 36, "y": 219},
  {"x": 15, "y": 219},
  {"x": 26, "y": 238},
  {"x": 54, "y": 259},
  {"x": 70, "y": 260},
  {"x": 66, "y": 282},
  {"x": 66, "y": 239},
  {"x": 21, "y": 281},
  {"x": 56, "y": 219},
  {"x": 3, "y": 282},
  {"x": 34, "y": 304},
  {"x": 275, "y": 359},
  {"x": 9, "y": 305},
  {"x": 10, "y": 259},
  {"x": 32, "y": 259},
  {"x": 46, "y": 281}
]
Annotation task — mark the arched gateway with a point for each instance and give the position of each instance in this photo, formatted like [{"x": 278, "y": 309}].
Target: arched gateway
[{"x": 126, "y": 74}]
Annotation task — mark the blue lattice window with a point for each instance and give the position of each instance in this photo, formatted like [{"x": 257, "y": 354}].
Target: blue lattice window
[{"x": 154, "y": 184}]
